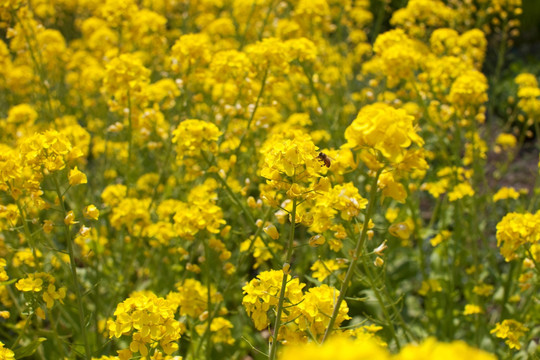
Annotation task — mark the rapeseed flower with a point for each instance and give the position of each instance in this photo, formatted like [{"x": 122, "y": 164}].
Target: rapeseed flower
[{"x": 511, "y": 330}]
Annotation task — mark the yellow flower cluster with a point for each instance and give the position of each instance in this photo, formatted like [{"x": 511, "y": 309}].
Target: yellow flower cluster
[
  {"x": 291, "y": 165},
  {"x": 221, "y": 139},
  {"x": 262, "y": 293},
  {"x": 516, "y": 230},
  {"x": 199, "y": 213},
  {"x": 45, "y": 283},
  {"x": 5, "y": 353},
  {"x": 149, "y": 320},
  {"x": 344, "y": 348},
  {"x": 385, "y": 134},
  {"x": 511, "y": 330},
  {"x": 196, "y": 142},
  {"x": 528, "y": 94},
  {"x": 192, "y": 298},
  {"x": 305, "y": 312},
  {"x": 22, "y": 169}
]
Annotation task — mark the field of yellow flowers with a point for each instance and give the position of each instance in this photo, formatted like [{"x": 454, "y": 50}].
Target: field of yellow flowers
[{"x": 268, "y": 179}]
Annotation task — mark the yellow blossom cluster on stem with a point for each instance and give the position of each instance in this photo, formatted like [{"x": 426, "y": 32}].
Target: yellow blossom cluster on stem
[
  {"x": 384, "y": 132},
  {"x": 150, "y": 321},
  {"x": 515, "y": 231},
  {"x": 292, "y": 166},
  {"x": 511, "y": 330},
  {"x": 307, "y": 311},
  {"x": 44, "y": 284}
]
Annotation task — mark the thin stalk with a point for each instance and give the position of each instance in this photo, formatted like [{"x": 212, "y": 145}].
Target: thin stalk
[
  {"x": 238, "y": 203},
  {"x": 73, "y": 270},
  {"x": 357, "y": 252},
  {"x": 162, "y": 171},
  {"x": 312, "y": 87},
  {"x": 244, "y": 35},
  {"x": 265, "y": 21},
  {"x": 508, "y": 288},
  {"x": 380, "y": 300},
  {"x": 286, "y": 266},
  {"x": 238, "y": 263},
  {"x": 26, "y": 228},
  {"x": 130, "y": 140},
  {"x": 378, "y": 21},
  {"x": 259, "y": 96},
  {"x": 206, "y": 336}
]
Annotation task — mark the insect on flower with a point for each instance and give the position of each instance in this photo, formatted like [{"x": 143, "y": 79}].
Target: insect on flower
[{"x": 325, "y": 159}]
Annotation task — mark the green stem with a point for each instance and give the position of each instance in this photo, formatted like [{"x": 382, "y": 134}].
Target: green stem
[
  {"x": 130, "y": 142},
  {"x": 244, "y": 35},
  {"x": 265, "y": 21},
  {"x": 379, "y": 21},
  {"x": 357, "y": 252},
  {"x": 206, "y": 336},
  {"x": 26, "y": 228},
  {"x": 238, "y": 203},
  {"x": 286, "y": 269},
  {"x": 508, "y": 287},
  {"x": 312, "y": 87},
  {"x": 381, "y": 302},
  {"x": 259, "y": 96},
  {"x": 73, "y": 270},
  {"x": 26, "y": 323}
]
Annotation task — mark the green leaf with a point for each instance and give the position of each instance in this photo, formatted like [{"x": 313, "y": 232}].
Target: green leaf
[{"x": 29, "y": 349}]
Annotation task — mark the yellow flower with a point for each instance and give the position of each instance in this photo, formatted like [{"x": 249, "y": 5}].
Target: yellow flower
[
  {"x": 30, "y": 284},
  {"x": 515, "y": 230},
  {"x": 322, "y": 269},
  {"x": 70, "y": 218},
  {"x": 3, "y": 275},
  {"x": 460, "y": 191},
  {"x": 506, "y": 141},
  {"x": 432, "y": 285},
  {"x": 271, "y": 230},
  {"x": 401, "y": 230},
  {"x": 76, "y": 177},
  {"x": 262, "y": 293},
  {"x": 505, "y": 193},
  {"x": 469, "y": 89},
  {"x": 440, "y": 237},
  {"x": 194, "y": 138},
  {"x": 483, "y": 289},
  {"x": 511, "y": 330},
  {"x": 91, "y": 212},
  {"x": 291, "y": 165},
  {"x": 48, "y": 226},
  {"x": 338, "y": 347},
  {"x": 471, "y": 309},
  {"x": 148, "y": 319},
  {"x": 316, "y": 305},
  {"x": 5, "y": 353},
  {"x": 431, "y": 349},
  {"x": 385, "y": 130}
]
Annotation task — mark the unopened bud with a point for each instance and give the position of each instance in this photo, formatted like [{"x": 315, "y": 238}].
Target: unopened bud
[
  {"x": 316, "y": 240},
  {"x": 370, "y": 234},
  {"x": 271, "y": 231},
  {"x": 286, "y": 268}
]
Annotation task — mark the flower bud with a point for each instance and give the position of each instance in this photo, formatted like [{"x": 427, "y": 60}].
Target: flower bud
[{"x": 271, "y": 231}]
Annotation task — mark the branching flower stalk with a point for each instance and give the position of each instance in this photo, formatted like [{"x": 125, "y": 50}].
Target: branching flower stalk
[
  {"x": 286, "y": 271},
  {"x": 357, "y": 253}
]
